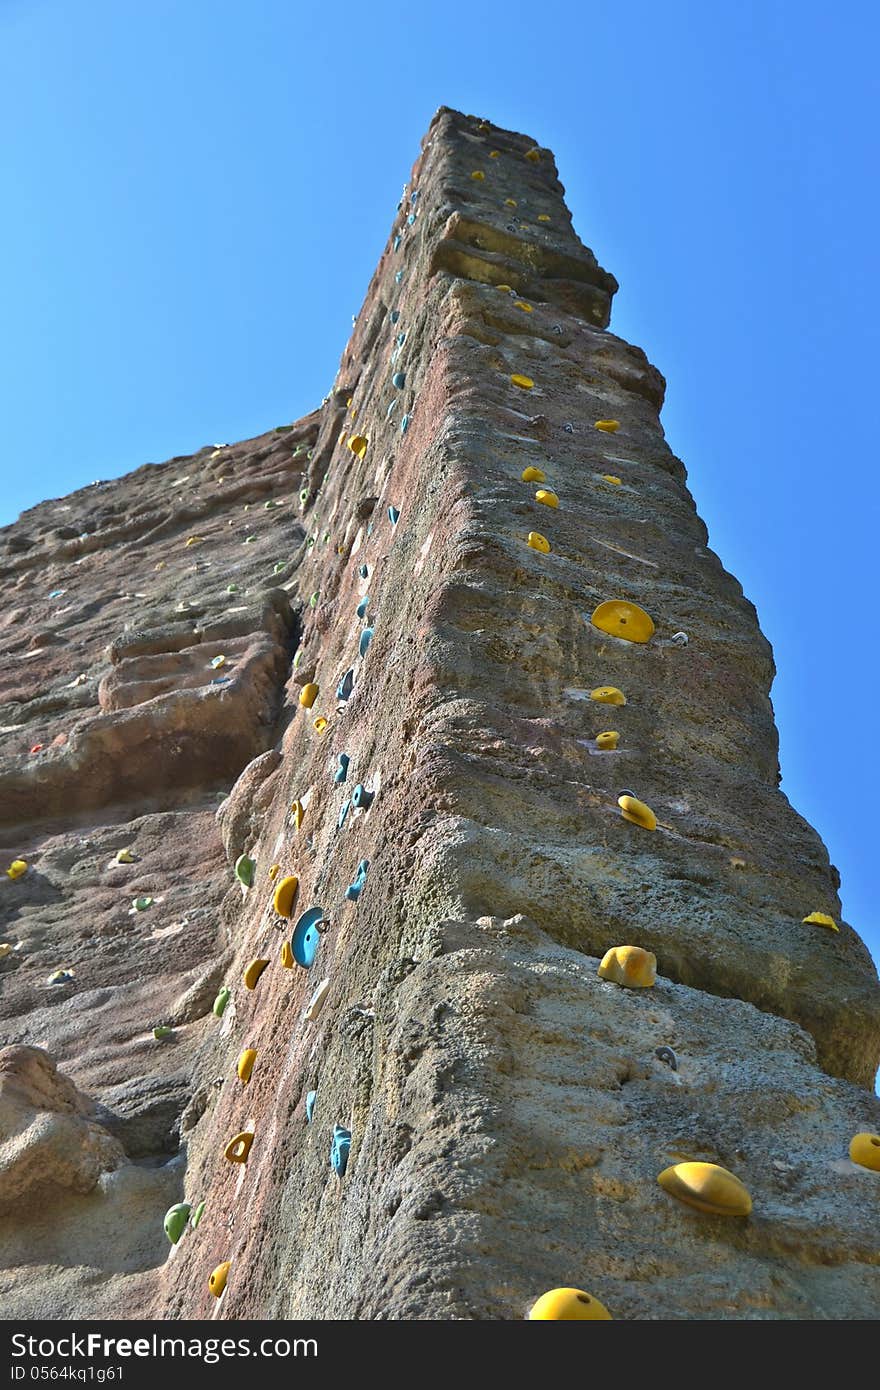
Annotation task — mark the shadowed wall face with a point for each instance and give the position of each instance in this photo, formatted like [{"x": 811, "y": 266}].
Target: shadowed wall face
[{"x": 412, "y": 578}]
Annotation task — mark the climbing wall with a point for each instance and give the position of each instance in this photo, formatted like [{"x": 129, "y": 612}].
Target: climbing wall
[{"x": 407, "y": 882}]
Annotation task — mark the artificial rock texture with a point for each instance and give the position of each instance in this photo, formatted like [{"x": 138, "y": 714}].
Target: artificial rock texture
[{"x": 509, "y": 1114}]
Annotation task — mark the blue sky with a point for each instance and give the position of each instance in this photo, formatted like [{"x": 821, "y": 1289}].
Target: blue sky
[{"x": 196, "y": 192}]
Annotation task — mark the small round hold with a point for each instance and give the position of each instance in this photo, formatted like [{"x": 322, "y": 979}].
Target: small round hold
[
  {"x": 217, "y": 1281},
  {"x": 221, "y": 1001},
  {"x": 568, "y": 1305},
  {"x": 546, "y": 497},
  {"x": 244, "y": 870},
  {"x": 399, "y": 380},
  {"x": 175, "y": 1221},
  {"x": 821, "y": 919},
  {"x": 17, "y": 869},
  {"x": 631, "y": 966},
  {"x": 308, "y": 695},
  {"x": 624, "y": 620},
  {"x": 238, "y": 1149},
  {"x": 533, "y": 475},
  {"x": 538, "y": 542},
  {"x": 708, "y": 1187},
  {"x": 666, "y": 1054},
  {"x": 524, "y": 383},
  {"x": 607, "y": 740},
  {"x": 246, "y": 1065},
  {"x": 285, "y": 895},
  {"x": 864, "y": 1149},
  {"x": 253, "y": 972},
  {"x": 361, "y": 799},
  {"x": 320, "y": 724},
  {"x": 365, "y": 640},
  {"x": 637, "y": 812},
  {"x": 608, "y": 695}
]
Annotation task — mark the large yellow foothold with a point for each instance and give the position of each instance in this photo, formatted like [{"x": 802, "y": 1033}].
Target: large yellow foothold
[
  {"x": 308, "y": 695},
  {"x": 864, "y": 1149},
  {"x": 17, "y": 868},
  {"x": 821, "y": 919},
  {"x": 636, "y": 811},
  {"x": 539, "y": 542},
  {"x": 238, "y": 1149},
  {"x": 569, "y": 1305},
  {"x": 608, "y": 426},
  {"x": 534, "y": 155},
  {"x": 629, "y": 965},
  {"x": 621, "y": 619},
  {"x": 253, "y": 972},
  {"x": 217, "y": 1281},
  {"x": 525, "y": 383},
  {"x": 246, "y": 1064},
  {"x": 533, "y": 475},
  {"x": 609, "y": 738},
  {"x": 608, "y": 695},
  {"x": 287, "y": 956},
  {"x": 708, "y": 1187},
  {"x": 285, "y": 895},
  {"x": 358, "y": 444},
  {"x": 547, "y": 497}
]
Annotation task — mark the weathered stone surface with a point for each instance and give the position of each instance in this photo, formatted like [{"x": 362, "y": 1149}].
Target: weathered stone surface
[{"x": 508, "y": 1110}]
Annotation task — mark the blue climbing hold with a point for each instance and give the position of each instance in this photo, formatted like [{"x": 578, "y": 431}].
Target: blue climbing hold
[
  {"x": 346, "y": 685},
  {"x": 404, "y": 424},
  {"x": 411, "y": 220},
  {"x": 361, "y": 609},
  {"x": 399, "y": 380},
  {"x": 307, "y": 937},
  {"x": 340, "y": 1148},
  {"x": 414, "y": 197},
  {"x": 353, "y": 891},
  {"x": 366, "y": 639},
  {"x": 342, "y": 763},
  {"x": 399, "y": 277},
  {"x": 393, "y": 515},
  {"x": 396, "y": 242},
  {"x": 394, "y": 315},
  {"x": 361, "y": 799},
  {"x": 56, "y": 593},
  {"x": 343, "y": 812},
  {"x": 363, "y": 571},
  {"x": 311, "y": 1097},
  {"x": 401, "y": 339},
  {"x": 391, "y": 409}
]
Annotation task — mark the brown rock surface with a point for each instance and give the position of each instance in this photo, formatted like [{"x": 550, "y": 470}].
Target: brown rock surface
[{"x": 508, "y": 1109}]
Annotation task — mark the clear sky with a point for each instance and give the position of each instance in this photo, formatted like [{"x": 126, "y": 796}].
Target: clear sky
[{"x": 196, "y": 192}]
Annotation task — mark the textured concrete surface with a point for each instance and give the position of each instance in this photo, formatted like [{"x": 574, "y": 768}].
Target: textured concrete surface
[{"x": 509, "y": 1113}]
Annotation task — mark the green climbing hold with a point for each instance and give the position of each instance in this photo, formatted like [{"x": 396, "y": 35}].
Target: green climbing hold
[
  {"x": 162, "y": 1031},
  {"x": 244, "y": 870},
  {"x": 313, "y": 599},
  {"x": 197, "y": 1215},
  {"x": 221, "y": 1001},
  {"x": 141, "y": 904},
  {"x": 176, "y": 1218}
]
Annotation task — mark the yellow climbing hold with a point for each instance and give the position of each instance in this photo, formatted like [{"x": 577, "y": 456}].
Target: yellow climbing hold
[
  {"x": 610, "y": 478},
  {"x": 217, "y": 1281},
  {"x": 542, "y": 217},
  {"x": 308, "y": 695},
  {"x": 286, "y": 955},
  {"x": 285, "y": 895},
  {"x": 569, "y": 1305},
  {"x": 636, "y": 811},
  {"x": 533, "y": 475},
  {"x": 708, "y": 1187},
  {"x": 608, "y": 426},
  {"x": 494, "y": 154},
  {"x": 864, "y": 1149},
  {"x": 298, "y": 811},
  {"x": 237, "y": 1149},
  {"x": 510, "y": 202},
  {"x": 124, "y": 856},
  {"x": 320, "y": 724},
  {"x": 505, "y": 289},
  {"x": 539, "y": 542},
  {"x": 193, "y": 540},
  {"x": 246, "y": 1064},
  {"x": 358, "y": 444},
  {"x": 609, "y": 738},
  {"x": 17, "y": 868},
  {"x": 525, "y": 383},
  {"x": 254, "y": 971},
  {"x": 821, "y": 919},
  {"x": 608, "y": 695},
  {"x": 547, "y": 497},
  {"x": 478, "y": 175},
  {"x": 622, "y": 619},
  {"x": 521, "y": 304},
  {"x": 629, "y": 965},
  {"x": 274, "y": 872},
  {"x": 534, "y": 154}
]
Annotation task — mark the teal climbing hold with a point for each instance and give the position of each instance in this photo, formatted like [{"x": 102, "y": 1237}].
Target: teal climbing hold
[
  {"x": 401, "y": 339},
  {"x": 399, "y": 380},
  {"x": 365, "y": 640},
  {"x": 411, "y": 220},
  {"x": 396, "y": 242},
  {"x": 341, "y": 772},
  {"x": 404, "y": 424},
  {"x": 307, "y": 937},
  {"x": 354, "y": 890},
  {"x": 244, "y": 870},
  {"x": 343, "y": 812},
  {"x": 340, "y": 1148},
  {"x": 361, "y": 609},
  {"x": 311, "y": 1097},
  {"x": 363, "y": 571},
  {"x": 361, "y": 799},
  {"x": 393, "y": 515},
  {"x": 176, "y": 1218},
  {"x": 221, "y": 1001},
  {"x": 346, "y": 685},
  {"x": 394, "y": 315},
  {"x": 414, "y": 197},
  {"x": 399, "y": 277},
  {"x": 391, "y": 409}
]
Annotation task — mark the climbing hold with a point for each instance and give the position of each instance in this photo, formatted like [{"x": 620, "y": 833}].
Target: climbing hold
[
  {"x": 411, "y": 220},
  {"x": 608, "y": 695},
  {"x": 521, "y": 304},
  {"x": 399, "y": 380},
  {"x": 308, "y": 695},
  {"x": 361, "y": 609},
  {"x": 525, "y": 383},
  {"x": 319, "y": 724},
  {"x": 339, "y": 1149},
  {"x": 393, "y": 515},
  {"x": 568, "y": 1305},
  {"x": 346, "y": 685},
  {"x": 6, "y": 949},
  {"x": 244, "y": 870},
  {"x": 679, "y": 639},
  {"x": 162, "y": 1031},
  {"x": 197, "y": 1215},
  {"x": 821, "y": 919},
  {"x": 398, "y": 278},
  {"x": 311, "y": 1097},
  {"x": 396, "y": 242},
  {"x": 629, "y": 965},
  {"x": 622, "y": 619},
  {"x": 298, "y": 811},
  {"x": 354, "y": 890},
  {"x": 494, "y": 154},
  {"x": 342, "y": 765},
  {"x": 611, "y": 478},
  {"x": 304, "y": 496},
  {"x": 394, "y": 315},
  {"x": 547, "y": 497},
  {"x": 307, "y": 936},
  {"x": 287, "y": 960},
  {"x": 175, "y": 1221},
  {"x": 343, "y": 812},
  {"x": 534, "y": 154},
  {"x": 270, "y": 504},
  {"x": 358, "y": 444},
  {"x": 533, "y": 475},
  {"x": 285, "y": 895},
  {"x": 504, "y": 289},
  {"x": 37, "y": 748},
  {"x": 864, "y": 1149},
  {"x": 141, "y": 904},
  {"x": 361, "y": 799},
  {"x": 478, "y": 175},
  {"x": 637, "y": 812},
  {"x": 249, "y": 540},
  {"x": 254, "y": 971},
  {"x": 238, "y": 1149},
  {"x": 232, "y": 588},
  {"x": 608, "y": 426},
  {"x": 708, "y": 1187},
  {"x": 61, "y": 977},
  {"x": 193, "y": 540},
  {"x": 17, "y": 868},
  {"x": 316, "y": 1003},
  {"x": 313, "y": 599},
  {"x": 666, "y": 1054},
  {"x": 246, "y": 1065},
  {"x": 569, "y": 429},
  {"x": 217, "y": 1281},
  {"x": 365, "y": 640},
  {"x": 274, "y": 872},
  {"x": 217, "y": 662},
  {"x": 538, "y": 542},
  {"x": 608, "y": 739},
  {"x": 221, "y": 1001},
  {"x": 363, "y": 571},
  {"x": 510, "y": 202},
  {"x": 124, "y": 856},
  {"x": 404, "y": 424}
]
